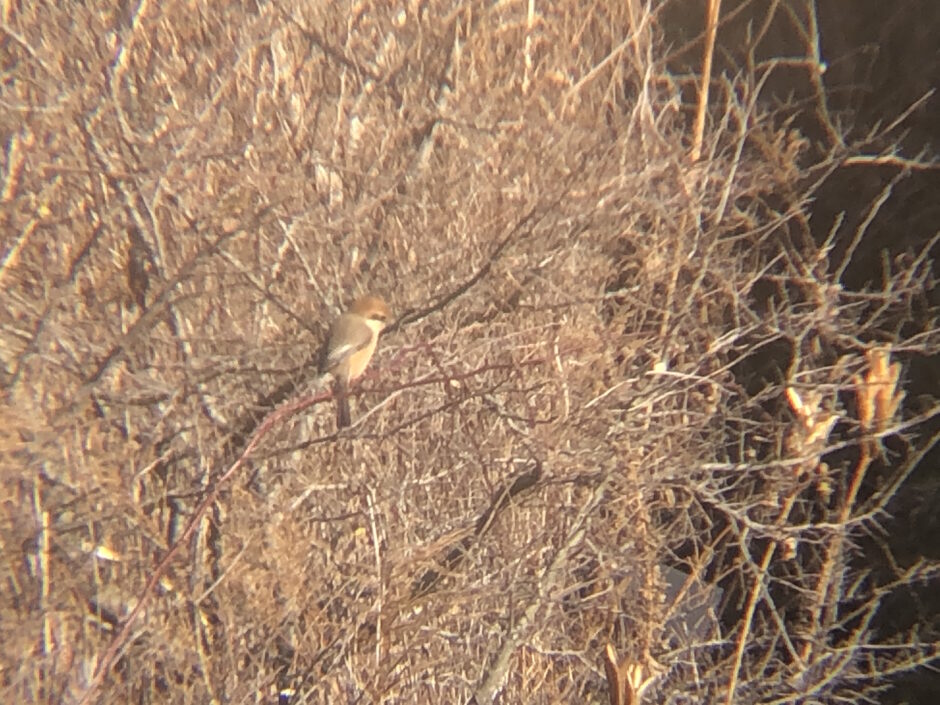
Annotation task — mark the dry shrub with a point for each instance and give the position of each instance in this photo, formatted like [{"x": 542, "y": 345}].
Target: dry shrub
[{"x": 609, "y": 364}]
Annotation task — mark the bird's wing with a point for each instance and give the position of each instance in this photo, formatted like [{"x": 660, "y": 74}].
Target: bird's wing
[{"x": 357, "y": 336}]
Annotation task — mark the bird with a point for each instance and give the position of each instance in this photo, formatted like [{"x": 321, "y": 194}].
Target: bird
[{"x": 350, "y": 346}]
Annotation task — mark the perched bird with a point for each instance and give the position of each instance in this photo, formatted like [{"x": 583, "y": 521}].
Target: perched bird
[{"x": 350, "y": 346}]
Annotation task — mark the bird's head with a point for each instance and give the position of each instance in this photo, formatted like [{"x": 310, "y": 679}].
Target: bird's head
[{"x": 373, "y": 309}]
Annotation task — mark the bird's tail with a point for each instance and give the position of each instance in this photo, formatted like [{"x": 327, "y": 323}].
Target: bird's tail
[
  {"x": 342, "y": 412},
  {"x": 342, "y": 405}
]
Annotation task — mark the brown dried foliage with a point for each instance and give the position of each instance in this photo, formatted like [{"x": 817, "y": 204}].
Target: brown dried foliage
[{"x": 191, "y": 192}]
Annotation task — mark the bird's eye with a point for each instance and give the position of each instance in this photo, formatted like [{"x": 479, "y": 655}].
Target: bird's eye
[{"x": 377, "y": 316}]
